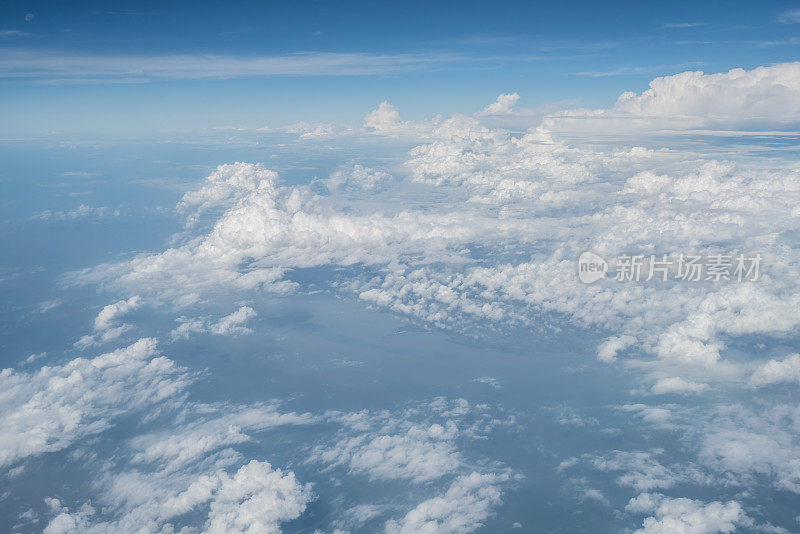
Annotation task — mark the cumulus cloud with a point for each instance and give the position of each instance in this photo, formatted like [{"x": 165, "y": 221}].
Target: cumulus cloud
[
  {"x": 764, "y": 97},
  {"x": 421, "y": 445},
  {"x": 358, "y": 178},
  {"x": 489, "y": 381},
  {"x": 191, "y": 466},
  {"x": 478, "y": 232},
  {"x": 52, "y": 408},
  {"x": 256, "y": 498},
  {"x": 687, "y": 515},
  {"x": 228, "y": 425},
  {"x": 502, "y": 106},
  {"x": 104, "y": 328},
  {"x": 466, "y": 504},
  {"x": 643, "y": 471},
  {"x": 608, "y": 350},
  {"x": 677, "y": 385},
  {"x": 554, "y": 201},
  {"x": 764, "y": 92},
  {"x": 111, "y": 312},
  {"x": 777, "y": 371},
  {"x": 420, "y": 454},
  {"x": 385, "y": 117}
]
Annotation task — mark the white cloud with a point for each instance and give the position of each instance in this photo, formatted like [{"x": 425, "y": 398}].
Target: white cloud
[
  {"x": 608, "y": 350},
  {"x": 777, "y": 371},
  {"x": 256, "y": 498},
  {"x": 358, "y": 178},
  {"x": 81, "y": 212},
  {"x": 104, "y": 329},
  {"x": 482, "y": 234},
  {"x": 317, "y": 130},
  {"x": 676, "y": 384},
  {"x": 385, "y": 117},
  {"x": 763, "y": 92},
  {"x": 229, "y": 325},
  {"x": 52, "y": 408},
  {"x": 421, "y": 445},
  {"x": 420, "y": 455},
  {"x": 489, "y": 381},
  {"x": 418, "y": 444},
  {"x": 643, "y": 471},
  {"x": 417, "y": 259},
  {"x": 466, "y": 504},
  {"x": 191, "y": 467},
  {"x": 60, "y": 67},
  {"x": 230, "y": 425},
  {"x": 687, "y": 516},
  {"x": 233, "y": 324},
  {"x": 111, "y": 312},
  {"x": 790, "y": 16},
  {"x": 764, "y": 97},
  {"x": 502, "y": 106}
]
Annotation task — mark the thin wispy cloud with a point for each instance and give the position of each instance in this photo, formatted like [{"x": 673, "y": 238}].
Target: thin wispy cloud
[
  {"x": 55, "y": 67},
  {"x": 683, "y": 24},
  {"x": 629, "y": 71},
  {"x": 791, "y": 16}
]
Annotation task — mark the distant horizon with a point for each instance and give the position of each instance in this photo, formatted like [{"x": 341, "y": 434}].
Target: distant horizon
[{"x": 84, "y": 69}]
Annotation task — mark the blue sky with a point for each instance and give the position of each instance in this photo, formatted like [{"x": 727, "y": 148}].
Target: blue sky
[{"x": 90, "y": 68}]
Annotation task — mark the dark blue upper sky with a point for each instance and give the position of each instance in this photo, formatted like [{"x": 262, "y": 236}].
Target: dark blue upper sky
[{"x": 127, "y": 68}]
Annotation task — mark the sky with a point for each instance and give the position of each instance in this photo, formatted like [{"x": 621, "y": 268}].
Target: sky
[
  {"x": 352, "y": 268},
  {"x": 143, "y": 68}
]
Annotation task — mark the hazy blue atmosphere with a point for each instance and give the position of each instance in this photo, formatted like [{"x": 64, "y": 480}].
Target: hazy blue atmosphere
[{"x": 315, "y": 267}]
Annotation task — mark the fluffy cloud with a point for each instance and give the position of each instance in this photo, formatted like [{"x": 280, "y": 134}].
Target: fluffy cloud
[
  {"x": 420, "y": 455},
  {"x": 479, "y": 232},
  {"x": 509, "y": 256},
  {"x": 643, "y": 471},
  {"x": 777, "y": 371},
  {"x": 686, "y": 515},
  {"x": 385, "y": 117},
  {"x": 764, "y": 92},
  {"x": 256, "y": 498},
  {"x": 502, "y": 106},
  {"x": 230, "y": 425},
  {"x": 191, "y": 466},
  {"x": 676, "y": 384},
  {"x": 50, "y": 409},
  {"x": 607, "y": 351},
  {"x": 764, "y": 97},
  {"x": 357, "y": 178},
  {"x": 421, "y": 445},
  {"x": 466, "y": 504},
  {"x": 230, "y": 325},
  {"x": 104, "y": 329},
  {"x": 108, "y": 314}
]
